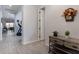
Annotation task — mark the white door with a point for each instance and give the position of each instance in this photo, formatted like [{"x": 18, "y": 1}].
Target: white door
[{"x": 41, "y": 18}]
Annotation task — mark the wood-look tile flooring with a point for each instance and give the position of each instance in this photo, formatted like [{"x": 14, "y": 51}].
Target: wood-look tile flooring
[{"x": 11, "y": 44}]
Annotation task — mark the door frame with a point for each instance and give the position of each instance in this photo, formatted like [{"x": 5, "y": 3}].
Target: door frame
[{"x": 41, "y": 23}]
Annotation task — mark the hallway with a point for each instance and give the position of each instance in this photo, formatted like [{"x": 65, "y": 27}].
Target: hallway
[{"x": 11, "y": 44}]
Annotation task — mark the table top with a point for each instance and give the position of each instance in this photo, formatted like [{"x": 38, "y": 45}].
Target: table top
[{"x": 68, "y": 39}]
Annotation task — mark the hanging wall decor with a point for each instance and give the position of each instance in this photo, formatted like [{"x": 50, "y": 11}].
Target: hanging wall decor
[{"x": 69, "y": 14}]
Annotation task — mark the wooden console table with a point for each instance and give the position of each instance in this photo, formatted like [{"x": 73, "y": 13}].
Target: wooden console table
[{"x": 62, "y": 45}]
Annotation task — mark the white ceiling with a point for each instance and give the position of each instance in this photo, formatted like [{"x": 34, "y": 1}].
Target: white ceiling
[
  {"x": 13, "y": 9},
  {"x": 9, "y": 12}
]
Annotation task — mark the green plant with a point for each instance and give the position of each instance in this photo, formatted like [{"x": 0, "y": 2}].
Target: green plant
[{"x": 67, "y": 33}]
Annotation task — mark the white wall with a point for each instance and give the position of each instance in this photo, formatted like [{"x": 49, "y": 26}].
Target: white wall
[
  {"x": 55, "y": 21},
  {"x": 0, "y": 23},
  {"x": 30, "y": 23}
]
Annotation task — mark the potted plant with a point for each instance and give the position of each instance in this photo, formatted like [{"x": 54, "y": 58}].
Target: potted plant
[
  {"x": 55, "y": 33},
  {"x": 67, "y": 33}
]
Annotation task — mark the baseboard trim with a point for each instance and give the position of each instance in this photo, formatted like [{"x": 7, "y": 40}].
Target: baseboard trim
[{"x": 28, "y": 42}]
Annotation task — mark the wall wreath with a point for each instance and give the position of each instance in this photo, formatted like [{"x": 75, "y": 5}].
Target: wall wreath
[{"x": 69, "y": 14}]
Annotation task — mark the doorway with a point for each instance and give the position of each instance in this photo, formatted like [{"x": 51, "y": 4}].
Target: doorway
[
  {"x": 11, "y": 23},
  {"x": 41, "y": 24}
]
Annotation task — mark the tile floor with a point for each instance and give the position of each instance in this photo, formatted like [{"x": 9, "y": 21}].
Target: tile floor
[{"x": 11, "y": 44}]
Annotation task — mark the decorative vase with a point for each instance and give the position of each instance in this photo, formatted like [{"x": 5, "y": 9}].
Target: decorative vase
[
  {"x": 55, "y": 33},
  {"x": 67, "y": 37}
]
